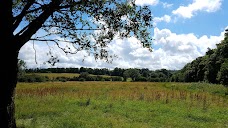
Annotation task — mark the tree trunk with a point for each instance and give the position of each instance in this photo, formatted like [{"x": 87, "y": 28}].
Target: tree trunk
[
  {"x": 8, "y": 57},
  {"x": 8, "y": 81}
]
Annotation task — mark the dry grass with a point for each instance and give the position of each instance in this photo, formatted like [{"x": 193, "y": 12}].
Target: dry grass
[{"x": 182, "y": 104}]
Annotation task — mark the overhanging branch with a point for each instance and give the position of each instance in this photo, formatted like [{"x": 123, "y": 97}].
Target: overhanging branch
[
  {"x": 36, "y": 24},
  {"x": 50, "y": 40},
  {"x": 56, "y": 41},
  {"x": 18, "y": 18},
  {"x": 74, "y": 29}
]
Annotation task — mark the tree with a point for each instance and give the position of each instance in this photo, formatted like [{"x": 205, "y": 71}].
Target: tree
[
  {"x": 117, "y": 72},
  {"x": 223, "y": 73},
  {"x": 84, "y": 75},
  {"x": 82, "y": 24},
  {"x": 131, "y": 73},
  {"x": 145, "y": 72},
  {"x": 212, "y": 67},
  {"x": 21, "y": 68}
]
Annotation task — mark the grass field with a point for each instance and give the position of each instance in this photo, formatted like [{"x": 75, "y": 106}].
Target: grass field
[
  {"x": 121, "y": 105},
  {"x": 55, "y": 75},
  {"x": 69, "y": 75}
]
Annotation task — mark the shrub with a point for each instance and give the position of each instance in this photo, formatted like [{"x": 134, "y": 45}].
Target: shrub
[
  {"x": 62, "y": 78},
  {"x": 82, "y": 79},
  {"x": 32, "y": 78},
  {"x": 116, "y": 78}
]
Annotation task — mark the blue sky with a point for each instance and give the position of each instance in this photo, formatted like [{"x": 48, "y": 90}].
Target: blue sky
[
  {"x": 183, "y": 30},
  {"x": 202, "y": 22}
]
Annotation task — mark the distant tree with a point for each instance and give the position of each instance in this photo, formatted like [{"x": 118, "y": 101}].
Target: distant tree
[
  {"x": 131, "y": 73},
  {"x": 153, "y": 74},
  {"x": 145, "y": 72},
  {"x": 82, "y": 69},
  {"x": 117, "y": 72},
  {"x": 21, "y": 68},
  {"x": 84, "y": 75},
  {"x": 88, "y": 25}
]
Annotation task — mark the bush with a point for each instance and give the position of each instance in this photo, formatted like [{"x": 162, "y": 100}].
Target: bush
[
  {"x": 82, "y": 79},
  {"x": 74, "y": 79},
  {"x": 62, "y": 79},
  {"x": 142, "y": 79},
  {"x": 116, "y": 78},
  {"x": 84, "y": 75},
  {"x": 33, "y": 78}
]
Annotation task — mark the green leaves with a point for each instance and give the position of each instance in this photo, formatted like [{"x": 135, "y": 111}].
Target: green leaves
[
  {"x": 88, "y": 25},
  {"x": 212, "y": 68},
  {"x": 223, "y": 73}
]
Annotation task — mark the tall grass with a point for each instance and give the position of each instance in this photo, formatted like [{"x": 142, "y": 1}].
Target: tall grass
[{"x": 121, "y": 105}]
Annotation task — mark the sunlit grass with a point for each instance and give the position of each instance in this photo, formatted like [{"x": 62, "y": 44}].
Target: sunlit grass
[
  {"x": 121, "y": 105},
  {"x": 55, "y": 75}
]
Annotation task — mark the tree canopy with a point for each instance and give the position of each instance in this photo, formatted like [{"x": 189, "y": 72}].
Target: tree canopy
[
  {"x": 88, "y": 25},
  {"x": 212, "y": 67},
  {"x": 82, "y": 24}
]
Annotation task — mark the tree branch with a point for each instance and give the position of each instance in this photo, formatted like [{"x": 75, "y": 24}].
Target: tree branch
[
  {"x": 18, "y": 18},
  {"x": 56, "y": 41},
  {"x": 35, "y": 25},
  {"x": 52, "y": 40},
  {"x": 34, "y": 51},
  {"x": 75, "y": 29}
]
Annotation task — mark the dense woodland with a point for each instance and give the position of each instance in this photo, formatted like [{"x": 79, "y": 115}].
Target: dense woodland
[{"x": 212, "y": 67}]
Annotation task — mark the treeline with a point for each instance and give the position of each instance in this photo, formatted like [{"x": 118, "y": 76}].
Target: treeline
[
  {"x": 96, "y": 74},
  {"x": 212, "y": 68},
  {"x": 82, "y": 77},
  {"x": 96, "y": 71}
]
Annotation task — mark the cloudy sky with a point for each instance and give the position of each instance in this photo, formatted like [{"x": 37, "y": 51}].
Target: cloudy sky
[{"x": 183, "y": 30}]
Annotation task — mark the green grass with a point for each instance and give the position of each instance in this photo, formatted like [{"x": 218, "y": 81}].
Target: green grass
[
  {"x": 121, "y": 105},
  {"x": 54, "y": 75}
]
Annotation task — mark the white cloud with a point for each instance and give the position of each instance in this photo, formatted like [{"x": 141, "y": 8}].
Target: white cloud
[
  {"x": 226, "y": 28},
  {"x": 198, "y": 5},
  {"x": 146, "y": 2},
  {"x": 165, "y": 18},
  {"x": 180, "y": 49},
  {"x": 171, "y": 51},
  {"x": 166, "y": 5}
]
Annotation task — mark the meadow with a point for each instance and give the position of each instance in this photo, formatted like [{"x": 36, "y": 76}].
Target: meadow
[
  {"x": 69, "y": 75},
  {"x": 121, "y": 105},
  {"x": 55, "y": 75}
]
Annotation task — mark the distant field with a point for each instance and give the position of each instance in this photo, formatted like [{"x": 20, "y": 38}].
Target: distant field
[
  {"x": 54, "y": 75},
  {"x": 121, "y": 105},
  {"x": 69, "y": 75}
]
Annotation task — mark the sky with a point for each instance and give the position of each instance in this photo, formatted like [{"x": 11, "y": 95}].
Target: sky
[{"x": 183, "y": 30}]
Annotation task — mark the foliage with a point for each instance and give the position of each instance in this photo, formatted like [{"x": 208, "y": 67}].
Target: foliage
[
  {"x": 33, "y": 78},
  {"x": 82, "y": 25},
  {"x": 131, "y": 73},
  {"x": 211, "y": 67},
  {"x": 21, "y": 68},
  {"x": 116, "y": 74},
  {"x": 223, "y": 73},
  {"x": 84, "y": 75}
]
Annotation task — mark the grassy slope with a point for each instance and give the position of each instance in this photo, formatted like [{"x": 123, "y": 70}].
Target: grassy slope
[
  {"x": 69, "y": 75},
  {"x": 121, "y": 105},
  {"x": 54, "y": 75}
]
